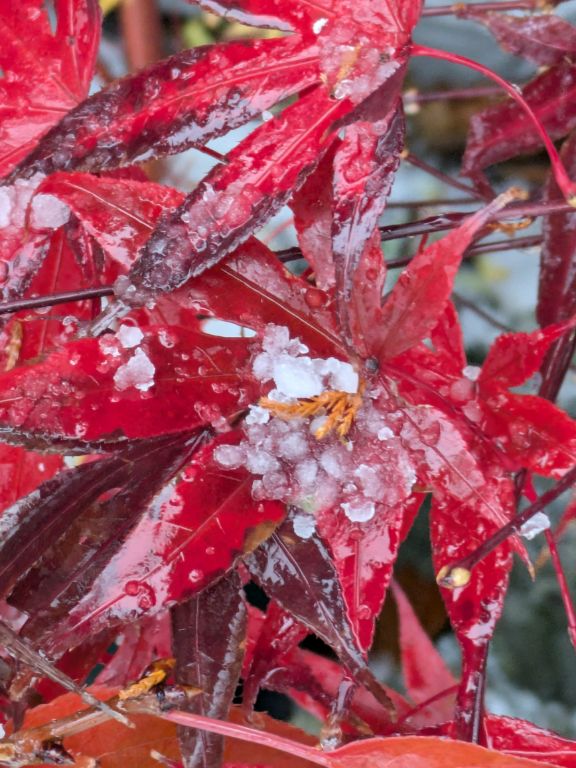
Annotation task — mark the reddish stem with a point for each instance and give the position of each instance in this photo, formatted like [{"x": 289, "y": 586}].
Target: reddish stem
[
  {"x": 437, "y": 174},
  {"x": 426, "y": 703},
  {"x": 243, "y": 733},
  {"x": 563, "y": 584},
  {"x": 567, "y": 187},
  {"x": 479, "y": 92},
  {"x": 453, "y": 10}
]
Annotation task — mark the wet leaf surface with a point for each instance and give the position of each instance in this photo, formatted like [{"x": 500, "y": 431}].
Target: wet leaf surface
[{"x": 209, "y": 632}]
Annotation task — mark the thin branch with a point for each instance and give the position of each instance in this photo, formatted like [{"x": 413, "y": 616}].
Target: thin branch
[
  {"x": 461, "y": 301},
  {"x": 455, "y": 574},
  {"x": 64, "y": 297},
  {"x": 565, "y": 183},
  {"x": 414, "y": 97},
  {"x": 431, "y": 171},
  {"x": 563, "y": 584},
  {"x": 453, "y": 10},
  {"x": 428, "y": 225},
  {"x": 437, "y": 202}
]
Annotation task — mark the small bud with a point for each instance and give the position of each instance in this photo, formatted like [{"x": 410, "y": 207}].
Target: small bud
[{"x": 452, "y": 578}]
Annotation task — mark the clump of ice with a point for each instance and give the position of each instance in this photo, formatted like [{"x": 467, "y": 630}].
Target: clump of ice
[
  {"x": 304, "y": 525},
  {"x": 138, "y": 372},
  {"x": 5, "y": 207},
  {"x": 319, "y": 25},
  {"x": 291, "y": 465},
  {"x": 359, "y": 511},
  {"x": 15, "y": 202},
  {"x": 230, "y": 456},
  {"x": 537, "y": 524},
  {"x": 472, "y": 372},
  {"x": 48, "y": 212},
  {"x": 129, "y": 336},
  {"x": 296, "y": 377},
  {"x": 284, "y": 361}
]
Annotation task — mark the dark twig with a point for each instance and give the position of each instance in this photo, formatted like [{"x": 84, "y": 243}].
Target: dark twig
[
  {"x": 456, "y": 572},
  {"x": 452, "y": 10}
]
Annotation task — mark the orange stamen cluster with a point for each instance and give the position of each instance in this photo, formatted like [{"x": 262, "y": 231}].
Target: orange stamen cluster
[{"x": 340, "y": 409}]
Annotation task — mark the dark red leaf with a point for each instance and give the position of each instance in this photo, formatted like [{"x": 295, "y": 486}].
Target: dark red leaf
[
  {"x": 557, "y": 285},
  {"x": 209, "y": 632},
  {"x": 502, "y": 131},
  {"x": 545, "y": 39},
  {"x": 279, "y": 634},
  {"x": 181, "y": 102},
  {"x": 92, "y": 392},
  {"x": 45, "y": 74},
  {"x": 234, "y": 200},
  {"x": 424, "y": 671},
  {"x": 49, "y": 532},
  {"x": 424, "y": 287},
  {"x": 177, "y": 548},
  {"x": 300, "y": 575}
]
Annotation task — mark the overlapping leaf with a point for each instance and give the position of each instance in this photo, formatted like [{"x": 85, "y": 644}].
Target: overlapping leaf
[
  {"x": 545, "y": 39},
  {"x": 234, "y": 200},
  {"x": 501, "y": 131},
  {"x": 92, "y": 391},
  {"x": 299, "y": 574},
  {"x": 99, "y": 504},
  {"x": 177, "y": 548},
  {"x": 425, "y": 673},
  {"x": 209, "y": 632},
  {"x": 178, "y": 103}
]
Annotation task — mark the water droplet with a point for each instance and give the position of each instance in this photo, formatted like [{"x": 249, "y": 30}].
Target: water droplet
[
  {"x": 146, "y": 597},
  {"x": 364, "y": 612},
  {"x": 131, "y": 587},
  {"x": 195, "y": 575},
  {"x": 314, "y": 297}
]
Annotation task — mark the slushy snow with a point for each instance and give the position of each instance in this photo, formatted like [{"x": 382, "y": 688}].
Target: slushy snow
[{"x": 291, "y": 465}]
